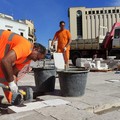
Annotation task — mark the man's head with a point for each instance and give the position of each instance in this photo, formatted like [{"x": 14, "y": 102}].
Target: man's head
[
  {"x": 62, "y": 25},
  {"x": 38, "y": 52}
]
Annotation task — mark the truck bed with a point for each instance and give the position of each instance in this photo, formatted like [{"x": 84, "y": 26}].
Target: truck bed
[{"x": 85, "y": 44}]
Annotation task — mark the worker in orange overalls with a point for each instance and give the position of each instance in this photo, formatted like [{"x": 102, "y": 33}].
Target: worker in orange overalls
[
  {"x": 64, "y": 39},
  {"x": 15, "y": 53}
]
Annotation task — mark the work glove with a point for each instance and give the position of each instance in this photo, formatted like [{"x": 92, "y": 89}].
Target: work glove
[
  {"x": 65, "y": 48},
  {"x": 13, "y": 87},
  {"x": 51, "y": 48}
]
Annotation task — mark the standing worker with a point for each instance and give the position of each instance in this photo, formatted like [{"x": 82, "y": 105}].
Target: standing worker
[
  {"x": 64, "y": 39},
  {"x": 15, "y": 53}
]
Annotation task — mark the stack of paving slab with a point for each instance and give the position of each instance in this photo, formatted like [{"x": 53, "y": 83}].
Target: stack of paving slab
[
  {"x": 45, "y": 63},
  {"x": 88, "y": 63},
  {"x": 99, "y": 63},
  {"x": 113, "y": 63}
]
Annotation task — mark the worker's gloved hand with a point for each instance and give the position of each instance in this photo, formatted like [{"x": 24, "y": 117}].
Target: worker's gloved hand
[
  {"x": 51, "y": 48},
  {"x": 65, "y": 48},
  {"x": 13, "y": 87}
]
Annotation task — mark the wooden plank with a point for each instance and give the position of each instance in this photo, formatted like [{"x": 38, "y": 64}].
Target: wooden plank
[{"x": 100, "y": 70}]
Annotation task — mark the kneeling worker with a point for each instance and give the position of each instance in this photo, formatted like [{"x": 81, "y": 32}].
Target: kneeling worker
[{"x": 15, "y": 53}]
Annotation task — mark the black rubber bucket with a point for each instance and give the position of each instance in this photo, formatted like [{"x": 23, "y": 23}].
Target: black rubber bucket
[
  {"x": 72, "y": 82},
  {"x": 44, "y": 79}
]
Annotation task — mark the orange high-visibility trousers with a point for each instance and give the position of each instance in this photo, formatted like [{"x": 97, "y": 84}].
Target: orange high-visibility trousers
[
  {"x": 8, "y": 93},
  {"x": 66, "y": 55}
]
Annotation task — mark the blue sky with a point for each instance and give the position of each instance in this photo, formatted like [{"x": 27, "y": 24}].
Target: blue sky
[{"x": 46, "y": 14}]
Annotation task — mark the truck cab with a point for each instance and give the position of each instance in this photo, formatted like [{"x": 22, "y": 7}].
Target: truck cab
[{"x": 116, "y": 38}]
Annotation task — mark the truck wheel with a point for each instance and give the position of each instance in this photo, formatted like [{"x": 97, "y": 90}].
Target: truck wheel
[
  {"x": 115, "y": 53},
  {"x": 74, "y": 57}
]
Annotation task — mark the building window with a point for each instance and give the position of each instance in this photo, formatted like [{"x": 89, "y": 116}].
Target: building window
[
  {"x": 117, "y": 10},
  {"x": 113, "y": 11},
  {"x": 89, "y": 12},
  {"x": 29, "y": 30},
  {"x": 93, "y": 12},
  {"x": 109, "y": 11},
  {"x": 8, "y": 26},
  {"x": 105, "y": 11},
  {"x": 101, "y": 11},
  {"x": 117, "y": 33},
  {"x": 97, "y": 12},
  {"x": 32, "y": 31},
  {"x": 85, "y": 12},
  {"x": 21, "y": 33},
  {"x": 79, "y": 23},
  {"x": 21, "y": 29}
]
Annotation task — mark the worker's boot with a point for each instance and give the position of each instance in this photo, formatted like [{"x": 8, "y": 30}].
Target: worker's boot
[{"x": 19, "y": 98}]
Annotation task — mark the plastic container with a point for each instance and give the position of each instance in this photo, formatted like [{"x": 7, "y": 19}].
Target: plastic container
[
  {"x": 44, "y": 79},
  {"x": 72, "y": 82}
]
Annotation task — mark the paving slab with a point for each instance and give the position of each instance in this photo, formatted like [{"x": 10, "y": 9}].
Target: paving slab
[
  {"x": 65, "y": 112},
  {"x": 79, "y": 105},
  {"x": 26, "y": 107},
  {"x": 115, "y": 94},
  {"x": 106, "y": 88},
  {"x": 55, "y": 102},
  {"x": 31, "y": 115},
  {"x": 36, "y": 105}
]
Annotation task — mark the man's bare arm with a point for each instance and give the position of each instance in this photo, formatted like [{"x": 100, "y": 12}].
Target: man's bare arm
[
  {"x": 69, "y": 41},
  {"x": 6, "y": 64}
]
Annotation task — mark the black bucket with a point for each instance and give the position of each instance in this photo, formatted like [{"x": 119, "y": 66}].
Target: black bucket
[
  {"x": 44, "y": 79},
  {"x": 72, "y": 82}
]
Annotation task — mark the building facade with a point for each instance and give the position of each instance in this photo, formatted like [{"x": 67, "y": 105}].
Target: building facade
[
  {"x": 85, "y": 22},
  {"x": 31, "y": 30},
  {"x": 24, "y": 28},
  {"x": 8, "y": 23}
]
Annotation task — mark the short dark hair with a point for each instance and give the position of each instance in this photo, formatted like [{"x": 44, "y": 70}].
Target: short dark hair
[
  {"x": 61, "y": 22},
  {"x": 41, "y": 47}
]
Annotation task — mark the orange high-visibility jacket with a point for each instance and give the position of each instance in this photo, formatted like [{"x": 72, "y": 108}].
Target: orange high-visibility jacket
[{"x": 21, "y": 46}]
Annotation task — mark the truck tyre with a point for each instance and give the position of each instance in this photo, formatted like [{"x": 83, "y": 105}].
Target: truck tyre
[
  {"x": 74, "y": 56},
  {"x": 115, "y": 52}
]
